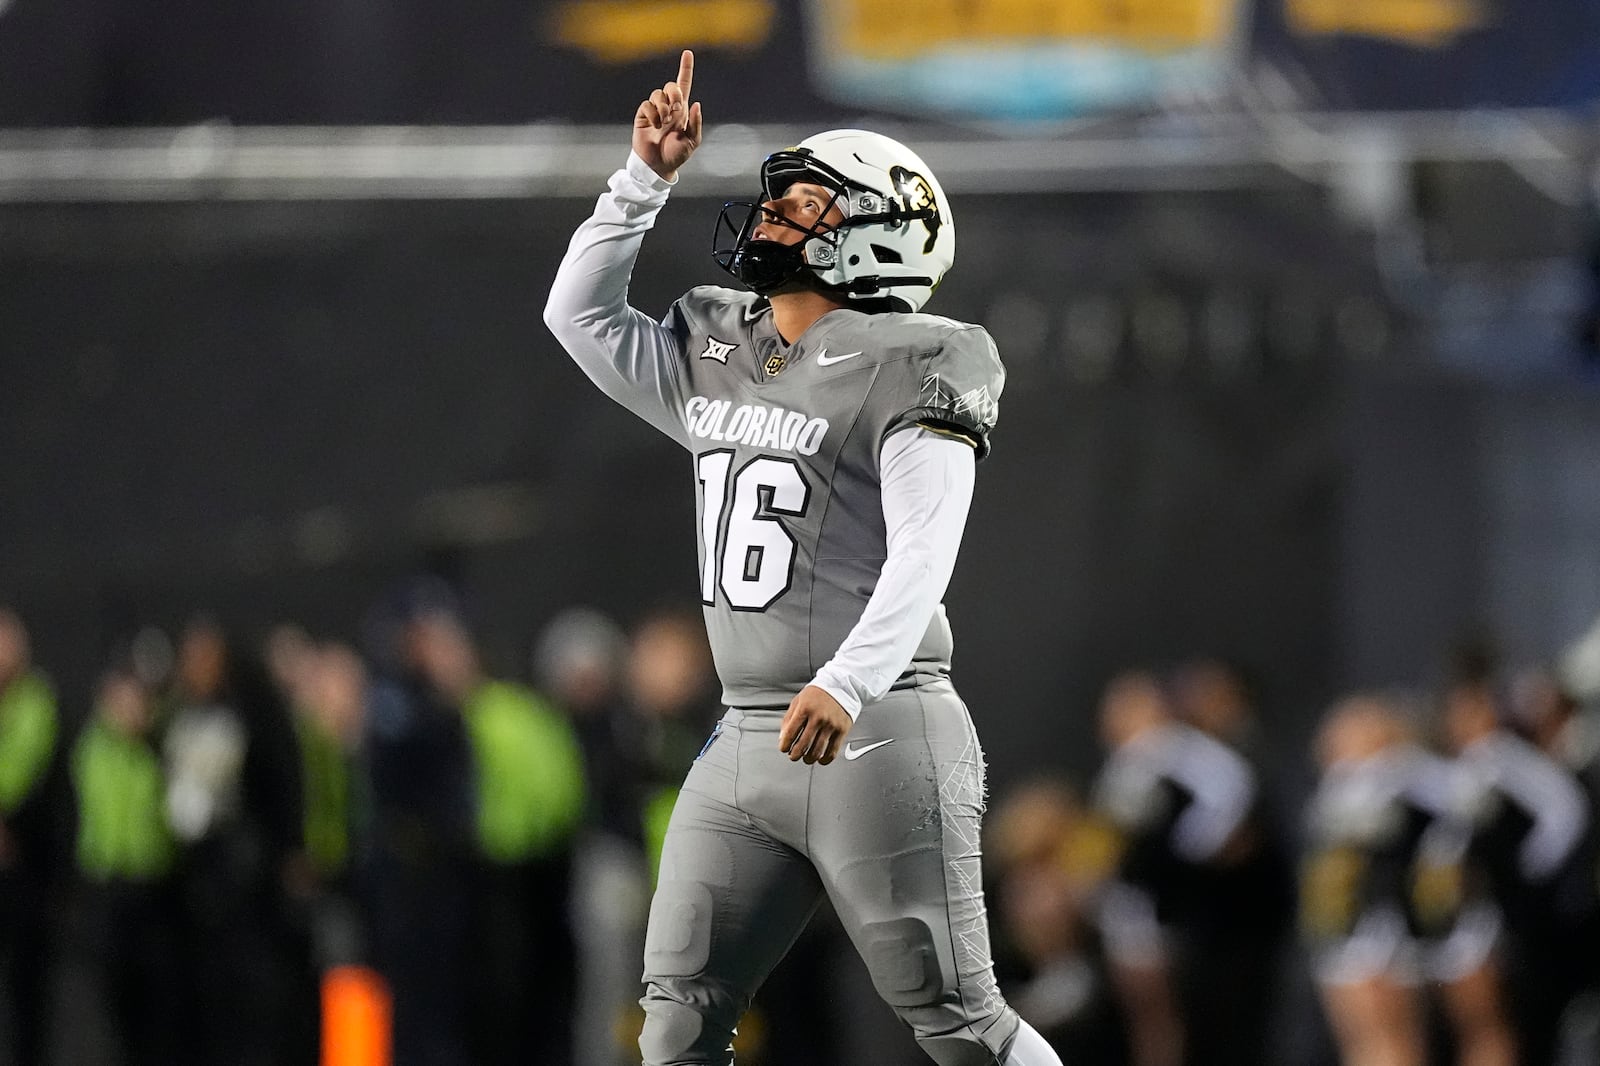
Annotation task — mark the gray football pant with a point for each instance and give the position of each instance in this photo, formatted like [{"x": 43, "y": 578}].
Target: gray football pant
[{"x": 891, "y": 836}]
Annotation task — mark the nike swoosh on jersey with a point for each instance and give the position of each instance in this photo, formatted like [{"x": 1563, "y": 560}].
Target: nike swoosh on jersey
[
  {"x": 824, "y": 359},
  {"x": 851, "y": 752}
]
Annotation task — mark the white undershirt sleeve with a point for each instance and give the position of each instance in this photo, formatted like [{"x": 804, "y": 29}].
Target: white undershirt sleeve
[
  {"x": 927, "y": 481},
  {"x": 634, "y": 359}
]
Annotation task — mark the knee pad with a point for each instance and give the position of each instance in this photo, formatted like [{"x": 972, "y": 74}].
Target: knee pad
[
  {"x": 905, "y": 969},
  {"x": 1028, "y": 1048},
  {"x": 985, "y": 1042},
  {"x": 676, "y": 1032}
]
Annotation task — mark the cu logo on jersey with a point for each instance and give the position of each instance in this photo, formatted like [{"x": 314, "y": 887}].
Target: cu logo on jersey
[{"x": 918, "y": 195}]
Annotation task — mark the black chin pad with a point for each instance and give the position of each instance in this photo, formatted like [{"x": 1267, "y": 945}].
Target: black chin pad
[{"x": 767, "y": 265}]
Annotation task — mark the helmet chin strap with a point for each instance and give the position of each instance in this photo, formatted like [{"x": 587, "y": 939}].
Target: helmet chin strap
[{"x": 875, "y": 284}]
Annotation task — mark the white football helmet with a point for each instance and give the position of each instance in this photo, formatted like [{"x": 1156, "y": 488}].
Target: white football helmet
[{"x": 896, "y": 242}]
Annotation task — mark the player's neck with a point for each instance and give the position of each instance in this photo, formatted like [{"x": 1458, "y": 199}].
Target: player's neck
[{"x": 794, "y": 312}]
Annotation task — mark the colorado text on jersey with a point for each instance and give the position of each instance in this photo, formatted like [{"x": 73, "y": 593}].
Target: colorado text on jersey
[{"x": 754, "y": 424}]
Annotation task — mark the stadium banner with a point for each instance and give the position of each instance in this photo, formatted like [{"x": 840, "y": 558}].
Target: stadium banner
[
  {"x": 828, "y": 62},
  {"x": 1446, "y": 55},
  {"x": 1026, "y": 61},
  {"x": 1021, "y": 60}
]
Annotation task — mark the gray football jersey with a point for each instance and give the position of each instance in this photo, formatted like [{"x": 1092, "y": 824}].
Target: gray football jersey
[{"x": 786, "y": 443}]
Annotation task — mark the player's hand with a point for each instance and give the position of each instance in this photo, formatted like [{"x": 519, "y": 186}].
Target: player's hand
[
  {"x": 814, "y": 727},
  {"x": 666, "y": 128}
]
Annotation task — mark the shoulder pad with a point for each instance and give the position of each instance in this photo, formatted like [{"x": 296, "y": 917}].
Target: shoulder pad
[{"x": 960, "y": 382}]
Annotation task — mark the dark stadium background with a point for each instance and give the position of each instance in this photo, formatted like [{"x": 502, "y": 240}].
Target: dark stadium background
[{"x": 275, "y": 408}]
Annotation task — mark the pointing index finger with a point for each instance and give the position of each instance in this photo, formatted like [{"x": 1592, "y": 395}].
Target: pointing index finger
[{"x": 686, "y": 73}]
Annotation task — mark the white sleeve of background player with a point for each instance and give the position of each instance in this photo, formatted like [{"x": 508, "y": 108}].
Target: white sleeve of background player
[
  {"x": 634, "y": 359},
  {"x": 927, "y": 488}
]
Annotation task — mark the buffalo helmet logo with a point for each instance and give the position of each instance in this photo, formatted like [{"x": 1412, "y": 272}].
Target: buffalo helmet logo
[{"x": 917, "y": 192}]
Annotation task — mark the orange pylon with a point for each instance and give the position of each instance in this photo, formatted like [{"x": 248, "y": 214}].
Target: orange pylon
[{"x": 357, "y": 1018}]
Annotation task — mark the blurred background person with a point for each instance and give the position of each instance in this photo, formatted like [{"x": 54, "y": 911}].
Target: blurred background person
[
  {"x": 289, "y": 655},
  {"x": 330, "y": 723},
  {"x": 1545, "y": 710},
  {"x": 1196, "y": 917},
  {"x": 296, "y": 665},
  {"x": 233, "y": 800},
  {"x": 1382, "y": 914},
  {"x": 126, "y": 857},
  {"x": 578, "y": 663},
  {"x": 578, "y": 660},
  {"x": 529, "y": 800},
  {"x": 30, "y": 727},
  {"x": 324, "y": 687},
  {"x": 423, "y": 830},
  {"x": 672, "y": 692},
  {"x": 1216, "y": 696},
  {"x": 1046, "y": 859},
  {"x": 1363, "y": 825},
  {"x": 1532, "y": 842}
]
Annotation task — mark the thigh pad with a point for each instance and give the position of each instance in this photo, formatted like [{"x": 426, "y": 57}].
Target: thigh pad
[
  {"x": 678, "y": 943},
  {"x": 904, "y": 965}
]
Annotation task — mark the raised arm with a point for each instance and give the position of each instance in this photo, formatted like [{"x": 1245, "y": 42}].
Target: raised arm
[{"x": 633, "y": 358}]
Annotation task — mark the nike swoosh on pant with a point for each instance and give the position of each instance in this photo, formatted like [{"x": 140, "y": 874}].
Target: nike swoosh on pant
[{"x": 852, "y": 753}]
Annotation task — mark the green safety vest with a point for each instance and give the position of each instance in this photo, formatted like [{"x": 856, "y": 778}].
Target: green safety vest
[
  {"x": 122, "y": 817},
  {"x": 325, "y": 792},
  {"x": 529, "y": 772},
  {"x": 28, "y": 726}
]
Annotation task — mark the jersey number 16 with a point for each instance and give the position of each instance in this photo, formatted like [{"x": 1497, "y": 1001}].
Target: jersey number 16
[{"x": 753, "y": 563}]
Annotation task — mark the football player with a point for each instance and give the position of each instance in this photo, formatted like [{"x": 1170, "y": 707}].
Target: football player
[{"x": 834, "y": 432}]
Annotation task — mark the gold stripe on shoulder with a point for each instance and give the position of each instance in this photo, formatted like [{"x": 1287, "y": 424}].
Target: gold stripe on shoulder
[{"x": 953, "y": 434}]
